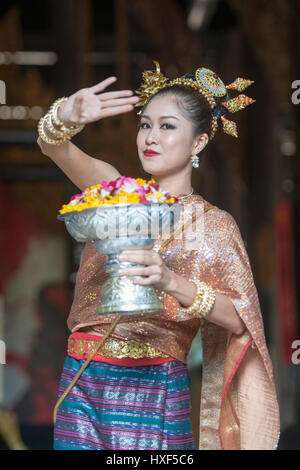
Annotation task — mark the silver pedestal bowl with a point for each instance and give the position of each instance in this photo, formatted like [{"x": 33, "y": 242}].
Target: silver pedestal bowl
[{"x": 113, "y": 228}]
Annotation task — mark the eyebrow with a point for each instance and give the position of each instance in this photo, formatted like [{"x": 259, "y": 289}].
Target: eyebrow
[{"x": 161, "y": 117}]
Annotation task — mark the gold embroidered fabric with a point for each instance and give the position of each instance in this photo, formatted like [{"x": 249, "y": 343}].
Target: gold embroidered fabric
[
  {"x": 239, "y": 408},
  {"x": 114, "y": 347}
]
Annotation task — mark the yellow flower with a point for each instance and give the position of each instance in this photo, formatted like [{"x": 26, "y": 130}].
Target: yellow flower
[
  {"x": 92, "y": 198},
  {"x": 140, "y": 181},
  {"x": 133, "y": 198}
]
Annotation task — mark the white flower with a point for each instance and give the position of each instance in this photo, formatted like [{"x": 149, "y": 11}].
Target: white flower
[
  {"x": 104, "y": 192},
  {"x": 151, "y": 198},
  {"x": 128, "y": 188},
  {"x": 74, "y": 201}
]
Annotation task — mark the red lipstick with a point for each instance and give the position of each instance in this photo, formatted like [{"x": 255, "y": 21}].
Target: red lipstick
[{"x": 150, "y": 153}]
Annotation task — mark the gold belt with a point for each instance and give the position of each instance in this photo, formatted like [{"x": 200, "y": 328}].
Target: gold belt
[{"x": 114, "y": 347}]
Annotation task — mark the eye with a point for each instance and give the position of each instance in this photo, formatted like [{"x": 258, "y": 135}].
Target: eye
[
  {"x": 168, "y": 126},
  {"x": 143, "y": 125}
]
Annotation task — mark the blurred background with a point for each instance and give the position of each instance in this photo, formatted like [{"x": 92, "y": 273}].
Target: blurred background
[{"x": 52, "y": 49}]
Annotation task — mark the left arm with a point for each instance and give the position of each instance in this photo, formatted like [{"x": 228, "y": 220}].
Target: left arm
[
  {"x": 159, "y": 275},
  {"x": 223, "y": 312}
]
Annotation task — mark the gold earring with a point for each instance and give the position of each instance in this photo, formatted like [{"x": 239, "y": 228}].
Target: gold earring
[{"x": 195, "y": 160}]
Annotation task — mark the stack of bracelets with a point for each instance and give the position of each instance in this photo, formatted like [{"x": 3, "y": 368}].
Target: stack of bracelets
[
  {"x": 204, "y": 300},
  {"x": 59, "y": 132}
]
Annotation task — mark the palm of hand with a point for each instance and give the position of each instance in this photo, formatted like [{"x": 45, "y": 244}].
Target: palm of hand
[{"x": 90, "y": 104}]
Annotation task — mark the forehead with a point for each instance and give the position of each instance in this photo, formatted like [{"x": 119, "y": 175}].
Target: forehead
[{"x": 163, "y": 106}]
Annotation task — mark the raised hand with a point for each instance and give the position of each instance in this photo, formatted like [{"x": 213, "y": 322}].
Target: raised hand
[{"x": 91, "y": 104}]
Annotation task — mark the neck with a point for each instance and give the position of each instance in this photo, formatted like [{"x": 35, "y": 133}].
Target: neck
[{"x": 179, "y": 186}]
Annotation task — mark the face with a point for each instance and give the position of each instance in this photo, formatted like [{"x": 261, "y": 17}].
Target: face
[{"x": 165, "y": 138}]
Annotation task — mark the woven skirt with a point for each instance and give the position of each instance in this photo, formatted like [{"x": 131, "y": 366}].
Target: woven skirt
[{"x": 125, "y": 408}]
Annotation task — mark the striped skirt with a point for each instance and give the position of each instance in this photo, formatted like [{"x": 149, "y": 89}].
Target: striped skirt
[{"x": 125, "y": 408}]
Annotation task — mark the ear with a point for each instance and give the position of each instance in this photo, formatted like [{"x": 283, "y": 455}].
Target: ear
[{"x": 200, "y": 143}]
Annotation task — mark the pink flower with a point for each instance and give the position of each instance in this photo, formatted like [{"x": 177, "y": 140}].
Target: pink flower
[
  {"x": 119, "y": 182},
  {"x": 127, "y": 184},
  {"x": 142, "y": 191},
  {"x": 74, "y": 197},
  {"x": 146, "y": 191},
  {"x": 108, "y": 186}
]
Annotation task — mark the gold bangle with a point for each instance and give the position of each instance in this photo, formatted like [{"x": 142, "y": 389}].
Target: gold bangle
[
  {"x": 53, "y": 111},
  {"x": 44, "y": 137},
  {"x": 50, "y": 127},
  {"x": 61, "y": 134},
  {"x": 195, "y": 306},
  {"x": 207, "y": 302},
  {"x": 203, "y": 302}
]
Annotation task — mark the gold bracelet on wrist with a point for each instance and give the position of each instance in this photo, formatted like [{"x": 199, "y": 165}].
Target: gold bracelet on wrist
[
  {"x": 53, "y": 111},
  {"x": 208, "y": 301},
  {"x": 203, "y": 302},
  {"x": 59, "y": 134},
  {"x": 51, "y": 129},
  {"x": 195, "y": 306},
  {"x": 47, "y": 139}
]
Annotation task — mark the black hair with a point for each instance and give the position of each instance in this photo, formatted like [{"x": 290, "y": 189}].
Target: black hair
[{"x": 194, "y": 106}]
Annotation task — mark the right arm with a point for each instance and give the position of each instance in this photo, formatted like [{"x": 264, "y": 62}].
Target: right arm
[
  {"x": 81, "y": 108},
  {"x": 80, "y": 168}
]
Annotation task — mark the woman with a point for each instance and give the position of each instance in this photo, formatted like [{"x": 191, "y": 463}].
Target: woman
[{"x": 124, "y": 402}]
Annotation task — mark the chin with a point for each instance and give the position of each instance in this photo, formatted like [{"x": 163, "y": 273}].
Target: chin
[
  {"x": 154, "y": 170},
  {"x": 151, "y": 165}
]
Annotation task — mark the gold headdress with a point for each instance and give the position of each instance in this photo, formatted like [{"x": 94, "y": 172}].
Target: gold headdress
[{"x": 211, "y": 87}]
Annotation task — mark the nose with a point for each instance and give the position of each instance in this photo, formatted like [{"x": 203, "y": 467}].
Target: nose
[{"x": 152, "y": 136}]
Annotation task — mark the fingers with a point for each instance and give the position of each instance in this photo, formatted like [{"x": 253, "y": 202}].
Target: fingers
[
  {"x": 146, "y": 257},
  {"x": 138, "y": 271},
  {"x": 151, "y": 274},
  {"x": 151, "y": 280},
  {"x": 110, "y": 95},
  {"x": 115, "y": 94},
  {"x": 150, "y": 266},
  {"x": 119, "y": 102},
  {"x": 102, "y": 85},
  {"x": 116, "y": 110}
]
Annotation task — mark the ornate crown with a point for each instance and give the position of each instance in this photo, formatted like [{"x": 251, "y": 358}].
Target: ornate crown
[{"x": 211, "y": 87}]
